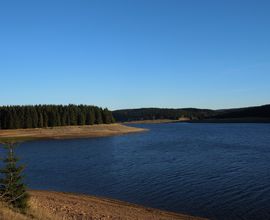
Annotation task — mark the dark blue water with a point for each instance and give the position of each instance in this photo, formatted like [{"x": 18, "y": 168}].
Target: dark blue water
[{"x": 220, "y": 171}]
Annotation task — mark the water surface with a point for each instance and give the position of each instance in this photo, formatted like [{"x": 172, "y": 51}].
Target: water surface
[{"x": 220, "y": 171}]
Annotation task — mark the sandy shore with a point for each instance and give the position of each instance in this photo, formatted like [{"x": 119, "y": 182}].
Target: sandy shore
[
  {"x": 47, "y": 205},
  {"x": 156, "y": 121},
  {"x": 68, "y": 132},
  {"x": 59, "y": 205}
]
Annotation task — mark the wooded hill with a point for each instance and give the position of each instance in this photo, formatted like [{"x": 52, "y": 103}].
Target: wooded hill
[
  {"x": 161, "y": 113},
  {"x": 249, "y": 112},
  {"x": 257, "y": 112},
  {"x": 39, "y": 116}
]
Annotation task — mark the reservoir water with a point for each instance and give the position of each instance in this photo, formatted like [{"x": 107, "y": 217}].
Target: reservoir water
[{"x": 219, "y": 171}]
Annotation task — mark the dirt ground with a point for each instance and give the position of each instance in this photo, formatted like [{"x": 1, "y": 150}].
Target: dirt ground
[
  {"x": 68, "y": 132},
  {"x": 68, "y": 206}
]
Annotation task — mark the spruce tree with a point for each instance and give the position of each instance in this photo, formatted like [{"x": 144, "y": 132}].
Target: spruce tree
[
  {"x": 34, "y": 116},
  {"x": 98, "y": 116},
  {"x": 27, "y": 118},
  {"x": 12, "y": 190},
  {"x": 40, "y": 120},
  {"x": 92, "y": 117},
  {"x": 45, "y": 120},
  {"x": 81, "y": 118},
  {"x": 106, "y": 116},
  {"x": 12, "y": 117}
]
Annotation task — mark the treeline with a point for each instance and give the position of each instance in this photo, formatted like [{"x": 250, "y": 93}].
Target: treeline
[
  {"x": 39, "y": 116},
  {"x": 249, "y": 112},
  {"x": 161, "y": 113},
  {"x": 126, "y": 115}
]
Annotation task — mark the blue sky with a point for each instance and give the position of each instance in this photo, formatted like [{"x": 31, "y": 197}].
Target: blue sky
[{"x": 135, "y": 53}]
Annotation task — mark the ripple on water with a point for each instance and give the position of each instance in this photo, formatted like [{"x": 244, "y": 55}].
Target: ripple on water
[{"x": 220, "y": 171}]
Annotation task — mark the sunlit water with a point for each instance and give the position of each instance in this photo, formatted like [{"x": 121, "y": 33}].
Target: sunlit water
[{"x": 220, "y": 171}]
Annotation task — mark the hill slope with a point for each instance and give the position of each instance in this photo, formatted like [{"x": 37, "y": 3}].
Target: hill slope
[
  {"x": 257, "y": 113},
  {"x": 160, "y": 113}
]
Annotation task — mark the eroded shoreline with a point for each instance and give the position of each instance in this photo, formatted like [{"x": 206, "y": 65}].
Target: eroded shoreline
[
  {"x": 61, "y": 205},
  {"x": 49, "y": 205},
  {"x": 67, "y": 132}
]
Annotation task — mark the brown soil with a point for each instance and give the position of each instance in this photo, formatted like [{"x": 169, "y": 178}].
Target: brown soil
[
  {"x": 70, "y": 206},
  {"x": 68, "y": 132}
]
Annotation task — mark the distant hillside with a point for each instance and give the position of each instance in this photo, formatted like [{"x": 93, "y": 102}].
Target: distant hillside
[
  {"x": 249, "y": 112},
  {"x": 161, "y": 113},
  {"x": 194, "y": 114}
]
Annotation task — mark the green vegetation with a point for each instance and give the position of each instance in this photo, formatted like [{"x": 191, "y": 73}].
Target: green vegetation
[
  {"x": 249, "y": 112},
  {"x": 39, "y": 116},
  {"x": 259, "y": 112},
  {"x": 12, "y": 190},
  {"x": 161, "y": 113}
]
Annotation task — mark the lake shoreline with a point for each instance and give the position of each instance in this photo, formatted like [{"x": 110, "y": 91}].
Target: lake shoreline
[
  {"x": 67, "y": 132},
  {"x": 232, "y": 120},
  {"x": 156, "y": 121},
  {"x": 207, "y": 120},
  {"x": 74, "y": 206}
]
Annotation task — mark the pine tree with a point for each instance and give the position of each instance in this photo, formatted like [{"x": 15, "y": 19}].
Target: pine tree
[
  {"x": 45, "y": 119},
  {"x": 12, "y": 117},
  {"x": 106, "y": 116},
  {"x": 40, "y": 120},
  {"x": 12, "y": 190},
  {"x": 73, "y": 115},
  {"x": 90, "y": 117},
  {"x": 34, "y": 116},
  {"x": 27, "y": 118},
  {"x": 98, "y": 116},
  {"x": 81, "y": 118}
]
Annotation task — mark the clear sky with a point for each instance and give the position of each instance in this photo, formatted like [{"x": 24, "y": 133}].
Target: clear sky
[{"x": 135, "y": 53}]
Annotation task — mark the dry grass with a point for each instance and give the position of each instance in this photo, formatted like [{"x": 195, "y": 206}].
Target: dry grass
[
  {"x": 10, "y": 214},
  {"x": 68, "y": 132}
]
